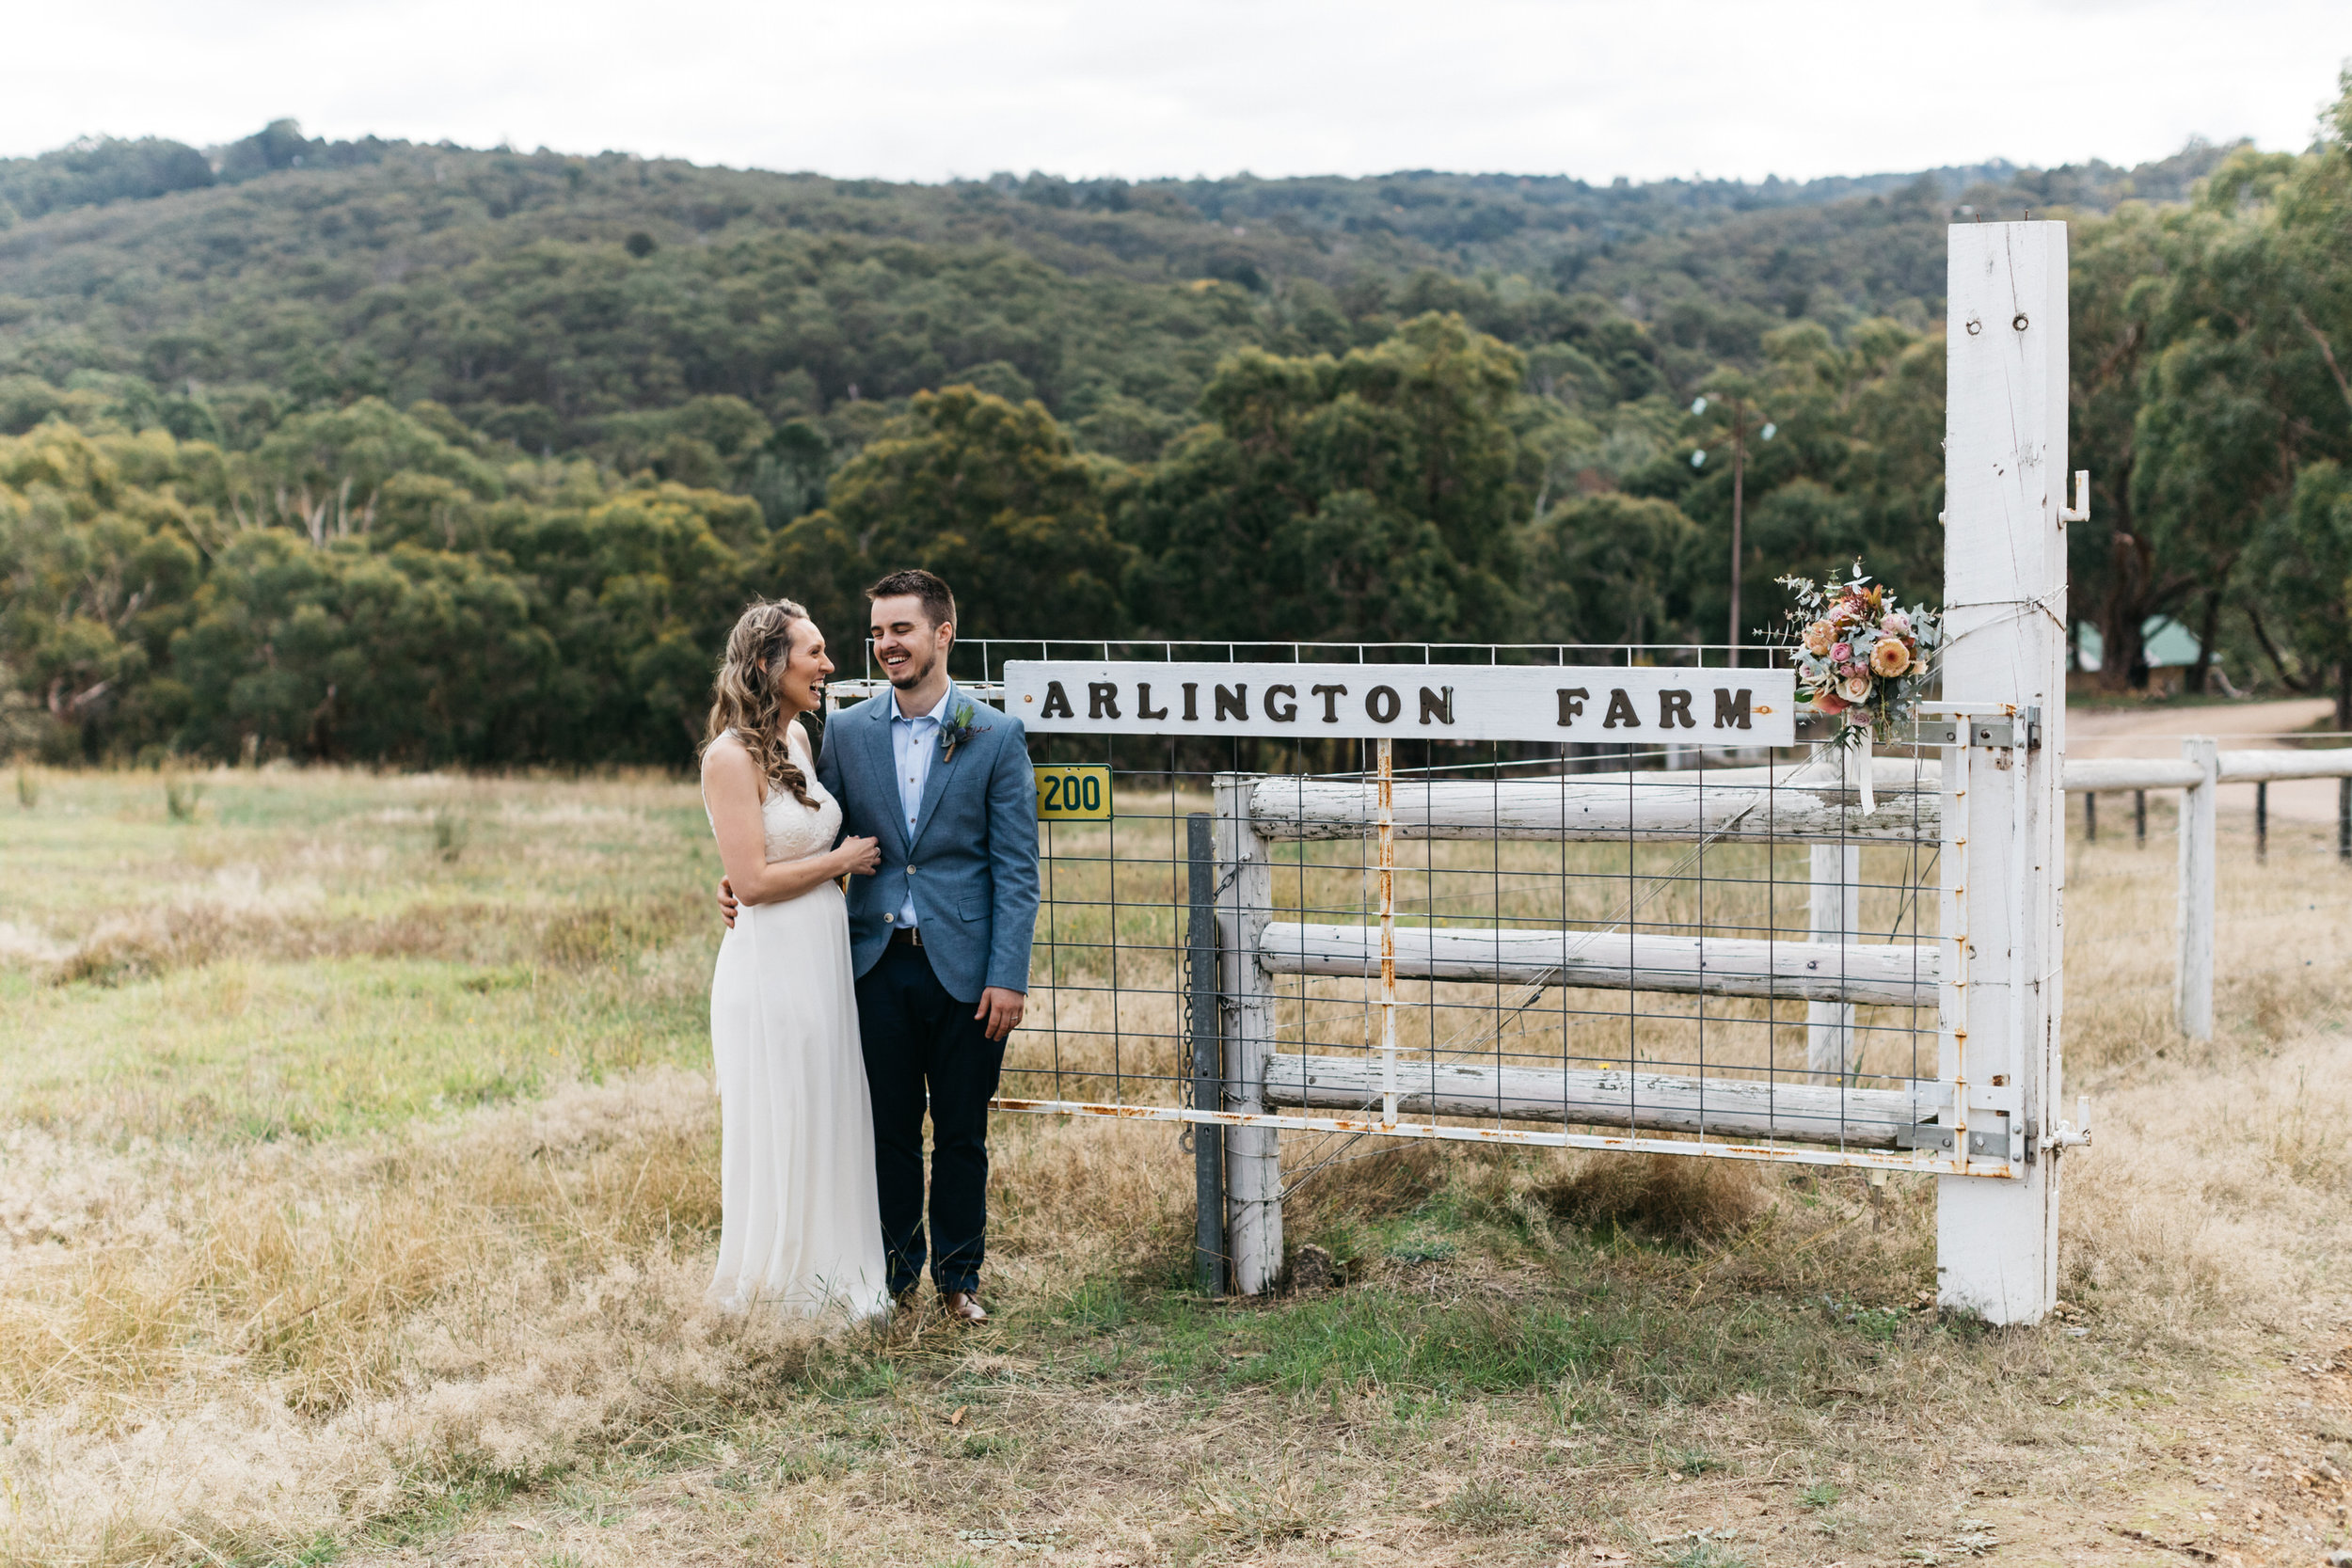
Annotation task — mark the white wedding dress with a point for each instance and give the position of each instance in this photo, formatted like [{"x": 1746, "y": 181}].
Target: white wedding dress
[{"x": 799, "y": 1228}]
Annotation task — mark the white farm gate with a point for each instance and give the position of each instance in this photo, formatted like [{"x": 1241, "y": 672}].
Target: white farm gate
[{"x": 1599, "y": 899}]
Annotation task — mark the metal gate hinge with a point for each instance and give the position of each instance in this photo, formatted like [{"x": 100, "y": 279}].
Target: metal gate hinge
[{"x": 1925, "y": 1135}]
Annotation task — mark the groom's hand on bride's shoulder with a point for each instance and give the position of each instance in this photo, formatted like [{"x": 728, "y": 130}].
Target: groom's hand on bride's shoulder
[
  {"x": 726, "y": 902},
  {"x": 1000, "y": 1011}
]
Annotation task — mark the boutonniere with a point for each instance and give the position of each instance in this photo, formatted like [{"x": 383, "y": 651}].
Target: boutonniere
[{"x": 963, "y": 722}]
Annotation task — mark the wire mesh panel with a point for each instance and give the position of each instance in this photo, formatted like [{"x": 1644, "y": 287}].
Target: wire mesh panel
[{"x": 1635, "y": 950}]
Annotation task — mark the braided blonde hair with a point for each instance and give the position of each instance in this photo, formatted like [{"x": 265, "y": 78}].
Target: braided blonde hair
[{"x": 743, "y": 696}]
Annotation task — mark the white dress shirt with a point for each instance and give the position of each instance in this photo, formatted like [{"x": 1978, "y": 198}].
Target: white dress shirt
[{"x": 913, "y": 742}]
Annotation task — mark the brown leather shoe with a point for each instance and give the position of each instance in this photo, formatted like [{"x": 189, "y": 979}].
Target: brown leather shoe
[{"x": 962, "y": 1307}]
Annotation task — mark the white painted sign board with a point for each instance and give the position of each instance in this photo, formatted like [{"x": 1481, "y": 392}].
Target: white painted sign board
[{"x": 1587, "y": 705}]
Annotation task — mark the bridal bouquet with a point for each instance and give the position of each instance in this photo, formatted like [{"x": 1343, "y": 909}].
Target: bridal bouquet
[{"x": 1859, "y": 653}]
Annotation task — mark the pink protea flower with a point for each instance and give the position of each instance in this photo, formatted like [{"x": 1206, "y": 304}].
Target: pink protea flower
[{"x": 1890, "y": 657}]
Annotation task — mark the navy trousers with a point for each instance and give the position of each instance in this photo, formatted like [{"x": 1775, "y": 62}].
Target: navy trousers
[{"x": 925, "y": 1051}]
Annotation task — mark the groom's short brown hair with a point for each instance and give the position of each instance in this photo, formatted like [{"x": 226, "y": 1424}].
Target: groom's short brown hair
[{"x": 939, "y": 602}]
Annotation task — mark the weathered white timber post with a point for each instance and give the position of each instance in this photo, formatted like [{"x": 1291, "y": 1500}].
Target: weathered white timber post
[
  {"x": 1386, "y": 830},
  {"x": 1253, "y": 1161},
  {"x": 1835, "y": 917},
  {"x": 2004, "y": 858},
  {"x": 2192, "y": 981}
]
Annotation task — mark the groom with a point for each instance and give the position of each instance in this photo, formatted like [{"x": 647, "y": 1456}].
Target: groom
[{"x": 939, "y": 934}]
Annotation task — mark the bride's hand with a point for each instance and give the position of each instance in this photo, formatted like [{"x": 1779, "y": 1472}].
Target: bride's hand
[{"x": 860, "y": 856}]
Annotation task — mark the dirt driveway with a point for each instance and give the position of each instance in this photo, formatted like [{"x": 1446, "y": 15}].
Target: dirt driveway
[{"x": 2239, "y": 727}]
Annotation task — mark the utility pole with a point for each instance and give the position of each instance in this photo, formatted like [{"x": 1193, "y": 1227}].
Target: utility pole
[
  {"x": 1738, "y": 495},
  {"x": 1739, "y": 488}
]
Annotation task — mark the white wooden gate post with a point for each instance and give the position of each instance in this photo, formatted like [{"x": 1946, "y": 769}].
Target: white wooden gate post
[
  {"x": 2192, "y": 982},
  {"x": 1253, "y": 1160},
  {"x": 1836, "y": 917},
  {"x": 2003, "y": 813}
]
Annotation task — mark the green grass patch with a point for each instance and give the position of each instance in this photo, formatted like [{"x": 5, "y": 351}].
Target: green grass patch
[
  {"x": 310, "y": 954},
  {"x": 1704, "y": 1554},
  {"x": 1395, "y": 1342},
  {"x": 244, "y": 1049},
  {"x": 1489, "y": 1508}
]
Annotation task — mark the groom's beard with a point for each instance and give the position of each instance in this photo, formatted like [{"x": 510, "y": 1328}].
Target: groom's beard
[{"x": 911, "y": 674}]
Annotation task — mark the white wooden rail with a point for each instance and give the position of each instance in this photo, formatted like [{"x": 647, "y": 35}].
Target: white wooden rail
[
  {"x": 2233, "y": 768},
  {"x": 1578, "y": 809},
  {"x": 1613, "y": 1097},
  {"x": 1885, "y": 975},
  {"x": 2200, "y": 768}
]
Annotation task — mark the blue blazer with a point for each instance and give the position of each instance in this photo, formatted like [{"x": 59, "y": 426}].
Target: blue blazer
[{"x": 971, "y": 862}]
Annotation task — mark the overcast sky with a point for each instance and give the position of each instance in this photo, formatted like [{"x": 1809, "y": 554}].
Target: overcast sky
[{"x": 924, "y": 89}]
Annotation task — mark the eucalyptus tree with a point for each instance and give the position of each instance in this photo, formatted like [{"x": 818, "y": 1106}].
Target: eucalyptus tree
[
  {"x": 1377, "y": 496},
  {"x": 2121, "y": 266},
  {"x": 2300, "y": 556},
  {"x": 992, "y": 496},
  {"x": 2246, "y": 389}
]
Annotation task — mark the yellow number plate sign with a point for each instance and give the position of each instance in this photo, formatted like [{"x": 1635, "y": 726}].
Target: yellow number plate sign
[{"x": 1075, "y": 794}]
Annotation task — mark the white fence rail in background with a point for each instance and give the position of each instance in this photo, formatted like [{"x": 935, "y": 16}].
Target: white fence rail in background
[{"x": 2201, "y": 768}]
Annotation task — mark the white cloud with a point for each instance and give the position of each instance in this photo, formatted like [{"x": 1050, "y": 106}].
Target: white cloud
[{"x": 927, "y": 89}]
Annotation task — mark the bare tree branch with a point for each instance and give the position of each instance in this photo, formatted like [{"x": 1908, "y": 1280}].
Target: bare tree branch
[
  {"x": 2278, "y": 659},
  {"x": 2326, "y": 354}
]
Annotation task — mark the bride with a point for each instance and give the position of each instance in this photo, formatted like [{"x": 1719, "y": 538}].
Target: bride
[{"x": 800, "y": 1231}]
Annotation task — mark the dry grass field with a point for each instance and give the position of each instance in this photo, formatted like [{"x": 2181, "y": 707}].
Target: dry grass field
[{"x": 358, "y": 1185}]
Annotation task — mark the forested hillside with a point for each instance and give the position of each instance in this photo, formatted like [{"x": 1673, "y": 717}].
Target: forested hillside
[{"x": 376, "y": 450}]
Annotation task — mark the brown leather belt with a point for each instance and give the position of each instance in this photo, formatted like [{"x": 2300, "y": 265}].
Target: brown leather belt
[{"x": 906, "y": 936}]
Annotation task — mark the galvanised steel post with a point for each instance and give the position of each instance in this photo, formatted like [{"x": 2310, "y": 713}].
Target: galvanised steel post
[{"x": 1208, "y": 1061}]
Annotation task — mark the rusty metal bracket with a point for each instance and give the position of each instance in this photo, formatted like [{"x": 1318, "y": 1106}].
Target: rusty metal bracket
[
  {"x": 2000, "y": 1142},
  {"x": 2005, "y": 1140}
]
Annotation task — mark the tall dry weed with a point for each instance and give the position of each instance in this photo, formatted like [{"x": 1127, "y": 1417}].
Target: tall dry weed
[
  {"x": 1073, "y": 1189},
  {"x": 292, "y": 922},
  {"x": 1665, "y": 1197},
  {"x": 209, "y": 1353},
  {"x": 2214, "y": 1192}
]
